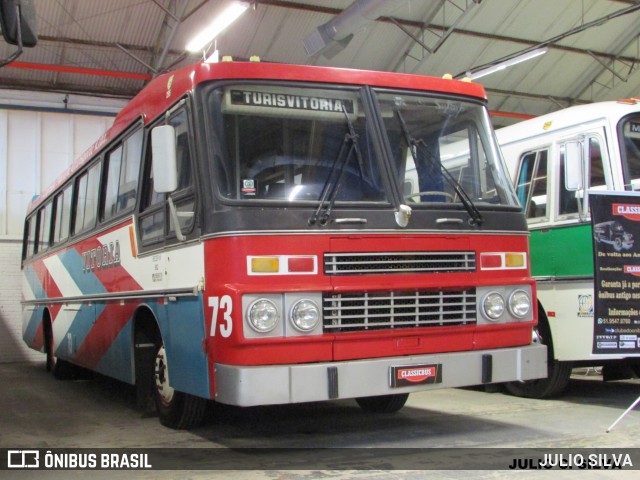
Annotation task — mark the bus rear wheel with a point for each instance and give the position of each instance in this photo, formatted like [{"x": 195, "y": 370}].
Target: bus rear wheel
[
  {"x": 61, "y": 369},
  {"x": 383, "y": 403},
  {"x": 175, "y": 409}
]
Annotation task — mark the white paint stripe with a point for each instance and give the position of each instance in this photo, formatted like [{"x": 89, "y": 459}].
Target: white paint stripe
[
  {"x": 61, "y": 277},
  {"x": 27, "y": 292}
]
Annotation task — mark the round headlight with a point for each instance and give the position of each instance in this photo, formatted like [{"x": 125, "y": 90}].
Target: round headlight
[
  {"x": 519, "y": 303},
  {"x": 263, "y": 315},
  {"x": 493, "y": 306},
  {"x": 305, "y": 315}
]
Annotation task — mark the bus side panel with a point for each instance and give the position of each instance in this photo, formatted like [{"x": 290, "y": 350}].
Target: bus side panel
[
  {"x": 562, "y": 251},
  {"x": 183, "y": 327},
  {"x": 569, "y": 309},
  {"x": 32, "y": 315},
  {"x": 32, "y": 331},
  {"x": 108, "y": 346}
]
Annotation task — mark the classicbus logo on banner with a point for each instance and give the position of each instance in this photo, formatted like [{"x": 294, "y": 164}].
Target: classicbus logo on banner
[
  {"x": 632, "y": 270},
  {"x": 627, "y": 210}
]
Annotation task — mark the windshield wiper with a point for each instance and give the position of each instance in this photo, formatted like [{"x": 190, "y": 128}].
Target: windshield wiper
[
  {"x": 413, "y": 144},
  {"x": 332, "y": 185}
]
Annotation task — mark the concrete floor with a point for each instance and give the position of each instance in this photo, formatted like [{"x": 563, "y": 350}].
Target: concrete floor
[{"x": 37, "y": 411}]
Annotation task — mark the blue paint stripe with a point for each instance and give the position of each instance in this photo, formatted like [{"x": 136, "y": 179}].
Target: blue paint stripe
[
  {"x": 188, "y": 370},
  {"x": 80, "y": 327},
  {"x": 117, "y": 362},
  {"x": 34, "y": 282},
  {"x": 86, "y": 281},
  {"x": 32, "y": 325}
]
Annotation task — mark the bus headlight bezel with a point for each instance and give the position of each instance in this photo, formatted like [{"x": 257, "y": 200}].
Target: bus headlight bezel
[
  {"x": 305, "y": 315},
  {"x": 517, "y": 300},
  {"x": 258, "y": 309},
  {"x": 493, "y": 306}
]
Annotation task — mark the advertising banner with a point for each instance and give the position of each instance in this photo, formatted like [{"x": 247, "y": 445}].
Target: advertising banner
[{"x": 615, "y": 220}]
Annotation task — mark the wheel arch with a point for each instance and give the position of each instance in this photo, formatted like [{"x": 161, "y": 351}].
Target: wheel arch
[{"x": 544, "y": 330}]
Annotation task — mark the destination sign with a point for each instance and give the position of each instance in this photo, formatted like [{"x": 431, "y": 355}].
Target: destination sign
[{"x": 291, "y": 101}]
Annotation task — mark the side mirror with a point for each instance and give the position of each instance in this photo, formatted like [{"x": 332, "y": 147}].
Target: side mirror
[
  {"x": 18, "y": 22},
  {"x": 163, "y": 149},
  {"x": 573, "y": 166}
]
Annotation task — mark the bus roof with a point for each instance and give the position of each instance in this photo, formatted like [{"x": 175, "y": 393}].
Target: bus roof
[
  {"x": 165, "y": 90},
  {"x": 557, "y": 121}
]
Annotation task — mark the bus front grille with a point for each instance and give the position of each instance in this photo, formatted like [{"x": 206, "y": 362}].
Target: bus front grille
[
  {"x": 398, "y": 262},
  {"x": 350, "y": 312}
]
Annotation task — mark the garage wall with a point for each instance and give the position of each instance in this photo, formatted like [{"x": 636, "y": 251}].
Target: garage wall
[{"x": 38, "y": 142}]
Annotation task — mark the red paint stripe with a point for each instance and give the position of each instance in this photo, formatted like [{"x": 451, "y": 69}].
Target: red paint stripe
[
  {"x": 38, "y": 339},
  {"x": 521, "y": 116},
  {"x": 107, "y": 327},
  {"x": 79, "y": 70}
]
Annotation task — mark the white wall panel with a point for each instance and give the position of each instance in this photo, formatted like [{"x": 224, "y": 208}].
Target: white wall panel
[
  {"x": 56, "y": 150},
  {"x": 23, "y": 172},
  {"x": 85, "y": 133},
  {"x": 35, "y": 148}
]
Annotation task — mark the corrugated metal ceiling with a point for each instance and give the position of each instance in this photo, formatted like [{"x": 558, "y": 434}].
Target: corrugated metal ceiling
[{"x": 594, "y": 45}]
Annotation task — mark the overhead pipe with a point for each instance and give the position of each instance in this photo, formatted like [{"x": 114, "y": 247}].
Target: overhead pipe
[
  {"x": 79, "y": 70},
  {"x": 333, "y": 36}
]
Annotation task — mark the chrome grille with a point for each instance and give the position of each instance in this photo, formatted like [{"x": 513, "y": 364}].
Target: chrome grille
[
  {"x": 347, "y": 312},
  {"x": 398, "y": 262}
]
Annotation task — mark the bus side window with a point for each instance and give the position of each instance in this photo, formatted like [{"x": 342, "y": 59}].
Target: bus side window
[
  {"x": 63, "y": 214},
  {"x": 87, "y": 198},
  {"x": 183, "y": 197},
  {"x": 154, "y": 204},
  {"x": 45, "y": 227},
  {"x": 31, "y": 234},
  {"x": 596, "y": 165},
  {"x": 532, "y": 184},
  {"x": 122, "y": 169},
  {"x": 597, "y": 178}
]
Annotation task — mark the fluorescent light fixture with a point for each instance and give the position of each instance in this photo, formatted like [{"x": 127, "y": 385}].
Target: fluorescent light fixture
[
  {"x": 507, "y": 63},
  {"x": 222, "y": 21}
]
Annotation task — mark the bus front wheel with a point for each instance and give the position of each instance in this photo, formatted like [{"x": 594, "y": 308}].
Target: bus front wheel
[
  {"x": 558, "y": 373},
  {"x": 556, "y": 381},
  {"x": 175, "y": 409},
  {"x": 383, "y": 403}
]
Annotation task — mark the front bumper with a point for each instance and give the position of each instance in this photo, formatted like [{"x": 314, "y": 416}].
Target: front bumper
[{"x": 296, "y": 383}]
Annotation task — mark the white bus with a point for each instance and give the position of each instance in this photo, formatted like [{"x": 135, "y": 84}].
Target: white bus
[{"x": 555, "y": 161}]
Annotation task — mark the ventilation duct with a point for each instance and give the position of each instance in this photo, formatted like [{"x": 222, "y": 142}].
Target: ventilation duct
[{"x": 332, "y": 37}]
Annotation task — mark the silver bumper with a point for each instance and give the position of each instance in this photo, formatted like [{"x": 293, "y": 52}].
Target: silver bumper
[{"x": 296, "y": 383}]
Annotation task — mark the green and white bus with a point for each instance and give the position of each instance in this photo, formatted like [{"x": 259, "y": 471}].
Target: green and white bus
[{"x": 555, "y": 160}]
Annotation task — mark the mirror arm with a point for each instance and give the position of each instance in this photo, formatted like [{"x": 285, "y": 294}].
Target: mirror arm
[{"x": 173, "y": 211}]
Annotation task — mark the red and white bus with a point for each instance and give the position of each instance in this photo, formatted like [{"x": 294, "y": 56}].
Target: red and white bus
[{"x": 258, "y": 234}]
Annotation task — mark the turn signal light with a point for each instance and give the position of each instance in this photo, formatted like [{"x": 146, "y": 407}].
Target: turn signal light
[
  {"x": 282, "y": 265},
  {"x": 503, "y": 260},
  {"x": 265, "y": 265}
]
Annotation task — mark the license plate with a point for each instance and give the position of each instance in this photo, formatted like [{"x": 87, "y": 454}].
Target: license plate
[{"x": 411, "y": 375}]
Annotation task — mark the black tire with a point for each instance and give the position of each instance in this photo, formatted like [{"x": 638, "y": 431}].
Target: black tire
[
  {"x": 558, "y": 373},
  {"x": 557, "y": 380},
  {"x": 177, "y": 410},
  {"x": 383, "y": 403},
  {"x": 48, "y": 344}
]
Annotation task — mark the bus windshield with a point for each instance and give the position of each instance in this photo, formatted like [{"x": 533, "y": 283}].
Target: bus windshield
[
  {"x": 298, "y": 143},
  {"x": 295, "y": 144},
  {"x": 443, "y": 151},
  {"x": 629, "y": 130}
]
